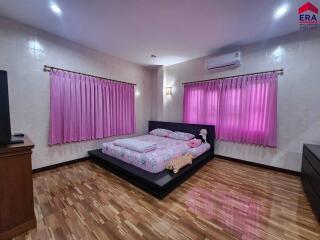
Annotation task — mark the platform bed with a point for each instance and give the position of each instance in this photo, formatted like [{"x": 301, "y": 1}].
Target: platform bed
[{"x": 162, "y": 183}]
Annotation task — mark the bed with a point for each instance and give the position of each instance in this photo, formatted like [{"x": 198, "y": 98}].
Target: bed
[
  {"x": 153, "y": 161},
  {"x": 147, "y": 170}
]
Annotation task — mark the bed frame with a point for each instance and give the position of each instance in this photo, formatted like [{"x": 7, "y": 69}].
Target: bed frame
[{"x": 162, "y": 183}]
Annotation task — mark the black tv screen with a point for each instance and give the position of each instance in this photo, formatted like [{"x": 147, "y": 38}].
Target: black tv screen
[{"x": 5, "y": 127}]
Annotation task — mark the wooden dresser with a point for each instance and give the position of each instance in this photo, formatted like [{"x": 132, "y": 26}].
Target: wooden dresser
[
  {"x": 16, "y": 190},
  {"x": 310, "y": 174}
]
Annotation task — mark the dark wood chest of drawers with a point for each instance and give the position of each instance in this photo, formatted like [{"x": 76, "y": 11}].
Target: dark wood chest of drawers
[
  {"x": 16, "y": 191},
  {"x": 310, "y": 174}
]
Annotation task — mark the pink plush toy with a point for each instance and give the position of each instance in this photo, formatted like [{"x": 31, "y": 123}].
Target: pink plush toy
[{"x": 194, "y": 143}]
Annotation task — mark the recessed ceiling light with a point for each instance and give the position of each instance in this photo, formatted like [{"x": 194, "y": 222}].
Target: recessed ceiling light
[
  {"x": 56, "y": 9},
  {"x": 281, "y": 11}
]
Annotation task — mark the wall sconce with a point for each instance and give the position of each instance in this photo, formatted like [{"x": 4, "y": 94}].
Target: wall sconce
[{"x": 169, "y": 91}]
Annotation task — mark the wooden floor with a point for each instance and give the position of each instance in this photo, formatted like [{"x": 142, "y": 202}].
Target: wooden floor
[{"x": 223, "y": 200}]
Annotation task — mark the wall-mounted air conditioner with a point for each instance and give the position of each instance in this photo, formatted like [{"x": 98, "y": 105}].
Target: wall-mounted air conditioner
[{"x": 224, "y": 62}]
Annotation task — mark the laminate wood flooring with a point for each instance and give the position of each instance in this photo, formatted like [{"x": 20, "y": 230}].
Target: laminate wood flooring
[{"x": 223, "y": 200}]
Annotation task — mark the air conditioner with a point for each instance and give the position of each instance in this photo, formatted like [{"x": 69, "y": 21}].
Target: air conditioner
[{"x": 223, "y": 62}]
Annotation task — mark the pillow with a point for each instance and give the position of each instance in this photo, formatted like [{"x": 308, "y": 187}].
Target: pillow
[
  {"x": 161, "y": 132},
  {"x": 181, "y": 136}
]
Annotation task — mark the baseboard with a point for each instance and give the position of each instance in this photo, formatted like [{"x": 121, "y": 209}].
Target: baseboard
[
  {"x": 19, "y": 229},
  {"x": 59, "y": 165},
  {"x": 291, "y": 172}
]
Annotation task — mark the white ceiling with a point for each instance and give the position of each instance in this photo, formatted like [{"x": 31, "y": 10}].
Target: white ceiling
[{"x": 174, "y": 30}]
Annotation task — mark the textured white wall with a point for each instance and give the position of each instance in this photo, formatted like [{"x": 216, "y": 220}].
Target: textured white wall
[
  {"x": 29, "y": 85},
  {"x": 298, "y": 95}
]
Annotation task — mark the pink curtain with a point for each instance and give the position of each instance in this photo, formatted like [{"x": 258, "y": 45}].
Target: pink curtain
[
  {"x": 243, "y": 109},
  {"x": 87, "y": 108}
]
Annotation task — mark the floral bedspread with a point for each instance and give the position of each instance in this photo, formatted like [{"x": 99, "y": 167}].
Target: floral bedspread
[
  {"x": 154, "y": 161},
  {"x": 199, "y": 150}
]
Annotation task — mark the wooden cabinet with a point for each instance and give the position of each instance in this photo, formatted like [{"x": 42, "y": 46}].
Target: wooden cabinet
[
  {"x": 16, "y": 190},
  {"x": 310, "y": 174}
]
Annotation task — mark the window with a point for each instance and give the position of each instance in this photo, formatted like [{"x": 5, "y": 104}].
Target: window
[{"x": 242, "y": 109}]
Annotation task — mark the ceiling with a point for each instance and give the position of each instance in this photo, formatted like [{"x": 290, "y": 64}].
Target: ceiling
[{"x": 173, "y": 30}]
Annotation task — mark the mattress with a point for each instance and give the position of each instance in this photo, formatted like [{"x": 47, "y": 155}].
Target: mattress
[{"x": 154, "y": 161}]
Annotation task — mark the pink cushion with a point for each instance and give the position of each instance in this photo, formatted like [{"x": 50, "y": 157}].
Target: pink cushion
[{"x": 194, "y": 143}]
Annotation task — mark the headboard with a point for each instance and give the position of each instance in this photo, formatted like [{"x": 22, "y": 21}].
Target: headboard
[{"x": 186, "y": 127}]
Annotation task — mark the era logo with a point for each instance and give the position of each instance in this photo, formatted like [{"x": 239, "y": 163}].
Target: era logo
[{"x": 308, "y": 14}]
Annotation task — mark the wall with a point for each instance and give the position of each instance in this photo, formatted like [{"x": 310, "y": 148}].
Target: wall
[
  {"x": 24, "y": 51},
  {"x": 298, "y": 95}
]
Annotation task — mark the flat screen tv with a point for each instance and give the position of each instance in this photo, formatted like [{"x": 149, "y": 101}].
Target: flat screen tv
[{"x": 5, "y": 127}]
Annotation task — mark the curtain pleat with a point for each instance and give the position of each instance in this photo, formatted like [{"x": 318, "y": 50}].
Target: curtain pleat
[
  {"x": 86, "y": 108},
  {"x": 243, "y": 109}
]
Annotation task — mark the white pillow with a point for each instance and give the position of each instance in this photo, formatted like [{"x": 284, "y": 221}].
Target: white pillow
[
  {"x": 161, "y": 132},
  {"x": 181, "y": 136}
]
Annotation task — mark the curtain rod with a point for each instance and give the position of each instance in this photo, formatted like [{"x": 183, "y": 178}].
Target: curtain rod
[
  {"x": 47, "y": 68},
  {"x": 278, "y": 71}
]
